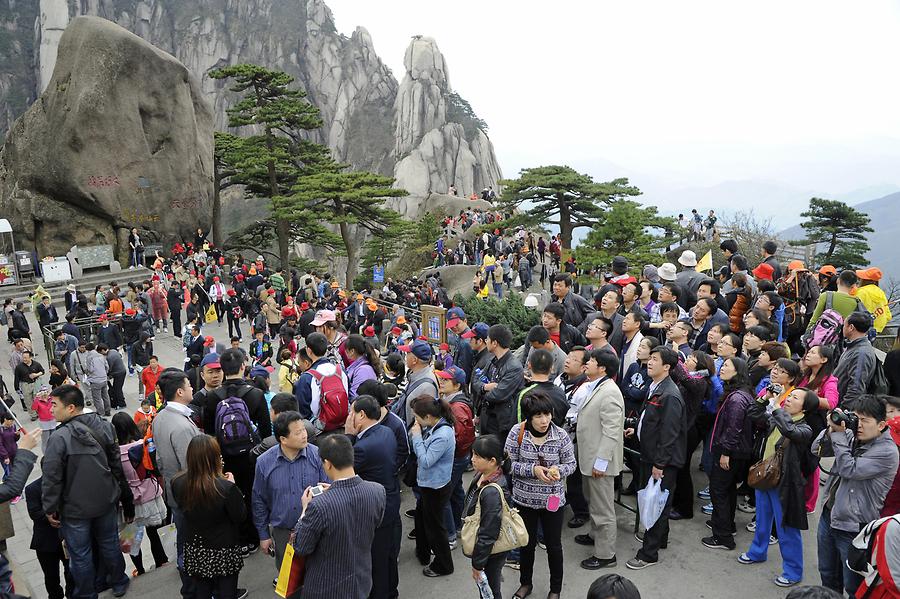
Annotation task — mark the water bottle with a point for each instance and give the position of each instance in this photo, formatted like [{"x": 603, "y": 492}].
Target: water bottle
[{"x": 483, "y": 587}]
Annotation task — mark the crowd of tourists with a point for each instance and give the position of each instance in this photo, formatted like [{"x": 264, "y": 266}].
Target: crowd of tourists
[{"x": 296, "y": 436}]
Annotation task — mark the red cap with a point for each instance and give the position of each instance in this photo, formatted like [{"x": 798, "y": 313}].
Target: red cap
[
  {"x": 422, "y": 338},
  {"x": 130, "y": 311},
  {"x": 444, "y": 347},
  {"x": 239, "y": 277},
  {"x": 288, "y": 298},
  {"x": 232, "y": 292},
  {"x": 170, "y": 276},
  {"x": 222, "y": 260},
  {"x": 396, "y": 330},
  {"x": 209, "y": 342},
  {"x": 304, "y": 306},
  {"x": 271, "y": 292},
  {"x": 452, "y": 323},
  {"x": 764, "y": 271},
  {"x": 215, "y": 279},
  {"x": 369, "y": 331},
  {"x": 102, "y": 318}
]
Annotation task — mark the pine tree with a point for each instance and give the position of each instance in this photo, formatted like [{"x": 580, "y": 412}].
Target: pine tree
[
  {"x": 344, "y": 198},
  {"x": 270, "y": 161},
  {"x": 559, "y": 195},
  {"x": 840, "y": 229},
  {"x": 627, "y": 229}
]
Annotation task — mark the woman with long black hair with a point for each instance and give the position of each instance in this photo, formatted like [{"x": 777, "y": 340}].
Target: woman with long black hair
[
  {"x": 731, "y": 445},
  {"x": 492, "y": 468},
  {"x": 365, "y": 363},
  {"x": 213, "y": 512}
]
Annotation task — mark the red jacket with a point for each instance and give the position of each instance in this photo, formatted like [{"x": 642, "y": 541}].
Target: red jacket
[{"x": 463, "y": 425}]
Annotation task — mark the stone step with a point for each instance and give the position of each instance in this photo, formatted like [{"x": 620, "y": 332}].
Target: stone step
[{"x": 84, "y": 285}]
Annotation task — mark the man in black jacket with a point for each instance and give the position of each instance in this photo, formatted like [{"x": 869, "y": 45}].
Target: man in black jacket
[
  {"x": 18, "y": 322},
  {"x": 500, "y": 394},
  {"x": 374, "y": 452},
  {"x": 109, "y": 334},
  {"x": 663, "y": 446},
  {"x": 234, "y": 385},
  {"x": 575, "y": 306},
  {"x": 83, "y": 485},
  {"x": 46, "y": 312},
  {"x": 12, "y": 487},
  {"x": 562, "y": 333}
]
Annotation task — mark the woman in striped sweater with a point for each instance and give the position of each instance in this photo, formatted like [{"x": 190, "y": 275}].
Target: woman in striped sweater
[{"x": 542, "y": 457}]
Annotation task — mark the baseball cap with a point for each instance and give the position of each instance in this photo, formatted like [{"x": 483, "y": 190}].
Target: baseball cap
[
  {"x": 130, "y": 311},
  {"x": 454, "y": 315},
  {"x": 259, "y": 371},
  {"x": 453, "y": 373},
  {"x": 102, "y": 318},
  {"x": 419, "y": 349},
  {"x": 211, "y": 360},
  {"x": 271, "y": 292},
  {"x": 764, "y": 271},
  {"x": 444, "y": 347},
  {"x": 322, "y": 316},
  {"x": 870, "y": 274},
  {"x": 828, "y": 269},
  {"x": 369, "y": 331},
  {"x": 304, "y": 306},
  {"x": 232, "y": 293},
  {"x": 209, "y": 342},
  {"x": 479, "y": 329}
]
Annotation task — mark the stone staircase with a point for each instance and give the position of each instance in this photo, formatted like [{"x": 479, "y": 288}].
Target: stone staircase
[{"x": 84, "y": 285}]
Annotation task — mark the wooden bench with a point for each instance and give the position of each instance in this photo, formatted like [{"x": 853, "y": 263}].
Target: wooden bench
[{"x": 90, "y": 257}]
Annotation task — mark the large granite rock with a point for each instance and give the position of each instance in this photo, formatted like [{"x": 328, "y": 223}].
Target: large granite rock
[
  {"x": 121, "y": 137},
  {"x": 433, "y": 153}
]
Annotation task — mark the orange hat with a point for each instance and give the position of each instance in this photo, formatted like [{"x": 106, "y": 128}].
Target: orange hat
[
  {"x": 828, "y": 270},
  {"x": 869, "y": 274},
  {"x": 401, "y": 319},
  {"x": 796, "y": 265},
  {"x": 372, "y": 307},
  {"x": 334, "y": 285},
  {"x": 764, "y": 271}
]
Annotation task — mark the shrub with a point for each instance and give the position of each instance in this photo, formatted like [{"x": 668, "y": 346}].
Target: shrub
[{"x": 510, "y": 311}]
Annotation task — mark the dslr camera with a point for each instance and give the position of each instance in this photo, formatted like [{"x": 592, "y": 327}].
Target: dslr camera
[
  {"x": 850, "y": 419},
  {"x": 632, "y": 422}
]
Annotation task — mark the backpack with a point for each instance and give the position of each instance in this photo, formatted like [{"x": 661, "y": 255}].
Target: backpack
[
  {"x": 143, "y": 457},
  {"x": 236, "y": 312},
  {"x": 827, "y": 330},
  {"x": 260, "y": 323},
  {"x": 463, "y": 425},
  {"x": 532, "y": 260},
  {"x": 334, "y": 403},
  {"x": 234, "y": 429},
  {"x": 878, "y": 384},
  {"x": 864, "y": 558}
]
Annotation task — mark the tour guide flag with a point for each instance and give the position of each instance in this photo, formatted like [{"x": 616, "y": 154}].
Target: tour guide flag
[{"x": 705, "y": 263}]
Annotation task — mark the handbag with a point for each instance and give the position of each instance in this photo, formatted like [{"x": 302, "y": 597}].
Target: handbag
[
  {"x": 766, "y": 474},
  {"x": 513, "y": 533},
  {"x": 291, "y": 572}
]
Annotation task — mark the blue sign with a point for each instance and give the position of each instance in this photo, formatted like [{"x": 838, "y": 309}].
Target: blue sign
[{"x": 378, "y": 274}]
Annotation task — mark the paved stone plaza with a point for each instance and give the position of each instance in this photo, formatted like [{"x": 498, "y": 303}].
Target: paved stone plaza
[{"x": 687, "y": 570}]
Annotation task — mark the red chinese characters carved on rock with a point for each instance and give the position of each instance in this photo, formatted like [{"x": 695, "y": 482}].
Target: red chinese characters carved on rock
[{"x": 103, "y": 181}]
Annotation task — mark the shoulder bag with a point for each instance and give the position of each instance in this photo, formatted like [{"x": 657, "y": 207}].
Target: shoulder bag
[
  {"x": 513, "y": 533},
  {"x": 766, "y": 474}
]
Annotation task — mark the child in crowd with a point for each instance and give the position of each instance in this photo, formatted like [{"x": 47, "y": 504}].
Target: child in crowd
[
  {"x": 444, "y": 360},
  {"x": 145, "y": 414},
  {"x": 42, "y": 407}
]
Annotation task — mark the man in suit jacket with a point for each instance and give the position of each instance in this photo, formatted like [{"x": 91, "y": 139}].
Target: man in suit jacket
[
  {"x": 336, "y": 539},
  {"x": 601, "y": 421},
  {"x": 374, "y": 457}
]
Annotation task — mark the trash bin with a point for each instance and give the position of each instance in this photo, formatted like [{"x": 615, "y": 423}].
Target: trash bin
[{"x": 24, "y": 265}]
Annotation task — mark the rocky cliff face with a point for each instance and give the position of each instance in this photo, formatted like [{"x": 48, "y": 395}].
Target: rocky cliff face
[
  {"x": 371, "y": 121},
  {"x": 121, "y": 137},
  {"x": 407, "y": 130}
]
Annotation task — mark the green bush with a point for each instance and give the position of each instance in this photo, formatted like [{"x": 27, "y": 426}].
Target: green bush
[{"x": 509, "y": 311}]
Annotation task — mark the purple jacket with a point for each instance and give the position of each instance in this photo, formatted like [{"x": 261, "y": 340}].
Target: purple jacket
[
  {"x": 732, "y": 432},
  {"x": 8, "y": 447},
  {"x": 360, "y": 370}
]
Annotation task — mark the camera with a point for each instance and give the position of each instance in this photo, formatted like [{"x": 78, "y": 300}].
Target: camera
[
  {"x": 775, "y": 388},
  {"x": 850, "y": 419},
  {"x": 632, "y": 422}
]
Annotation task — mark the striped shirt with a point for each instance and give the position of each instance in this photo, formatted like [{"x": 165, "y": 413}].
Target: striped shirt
[{"x": 558, "y": 450}]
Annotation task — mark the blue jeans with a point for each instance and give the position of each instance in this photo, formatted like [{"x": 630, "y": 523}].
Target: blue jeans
[
  {"x": 104, "y": 531},
  {"x": 454, "y": 509},
  {"x": 833, "y": 546},
  {"x": 768, "y": 508}
]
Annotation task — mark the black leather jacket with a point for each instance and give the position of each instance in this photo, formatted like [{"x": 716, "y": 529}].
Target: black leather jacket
[{"x": 491, "y": 517}]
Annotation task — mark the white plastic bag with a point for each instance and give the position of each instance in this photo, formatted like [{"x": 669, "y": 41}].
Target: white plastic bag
[{"x": 651, "y": 502}]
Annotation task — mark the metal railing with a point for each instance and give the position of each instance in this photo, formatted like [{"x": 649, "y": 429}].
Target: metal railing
[{"x": 87, "y": 328}]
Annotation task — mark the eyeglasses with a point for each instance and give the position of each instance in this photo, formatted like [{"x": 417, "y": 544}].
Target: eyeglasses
[{"x": 725, "y": 343}]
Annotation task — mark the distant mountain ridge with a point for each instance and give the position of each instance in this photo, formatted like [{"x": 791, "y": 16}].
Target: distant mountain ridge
[{"x": 885, "y": 215}]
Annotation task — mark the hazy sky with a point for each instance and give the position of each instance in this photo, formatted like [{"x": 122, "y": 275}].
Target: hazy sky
[{"x": 801, "y": 94}]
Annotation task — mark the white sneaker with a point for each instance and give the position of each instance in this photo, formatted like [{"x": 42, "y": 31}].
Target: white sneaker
[
  {"x": 453, "y": 544},
  {"x": 165, "y": 329}
]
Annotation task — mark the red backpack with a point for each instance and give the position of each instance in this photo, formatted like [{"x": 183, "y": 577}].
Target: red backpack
[
  {"x": 334, "y": 404},
  {"x": 463, "y": 425}
]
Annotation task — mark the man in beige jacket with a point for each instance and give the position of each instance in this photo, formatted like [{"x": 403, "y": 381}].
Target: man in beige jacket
[{"x": 601, "y": 423}]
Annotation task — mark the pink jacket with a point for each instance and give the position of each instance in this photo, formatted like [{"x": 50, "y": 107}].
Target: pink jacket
[
  {"x": 828, "y": 390},
  {"x": 143, "y": 490},
  {"x": 42, "y": 407}
]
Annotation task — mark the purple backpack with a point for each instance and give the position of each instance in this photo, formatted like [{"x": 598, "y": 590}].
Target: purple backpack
[
  {"x": 828, "y": 328},
  {"x": 234, "y": 429}
]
